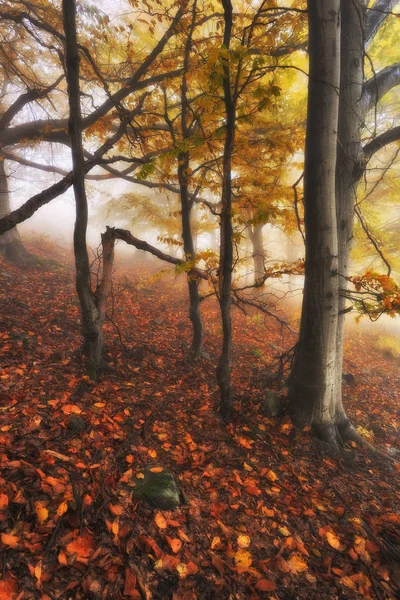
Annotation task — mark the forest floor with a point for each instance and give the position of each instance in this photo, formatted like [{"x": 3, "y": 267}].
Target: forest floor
[{"x": 270, "y": 513}]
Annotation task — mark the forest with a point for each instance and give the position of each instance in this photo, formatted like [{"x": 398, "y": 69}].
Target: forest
[{"x": 200, "y": 299}]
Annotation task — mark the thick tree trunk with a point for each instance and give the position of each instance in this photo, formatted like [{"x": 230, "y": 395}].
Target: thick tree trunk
[
  {"x": 91, "y": 325},
  {"x": 313, "y": 382},
  {"x": 226, "y": 247},
  {"x": 11, "y": 247},
  {"x": 347, "y": 171},
  {"x": 256, "y": 236}
]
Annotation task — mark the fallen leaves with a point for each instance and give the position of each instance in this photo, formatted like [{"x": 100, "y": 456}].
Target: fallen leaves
[
  {"x": 160, "y": 521},
  {"x": 243, "y": 560},
  {"x": 262, "y": 517},
  {"x": 8, "y": 539}
]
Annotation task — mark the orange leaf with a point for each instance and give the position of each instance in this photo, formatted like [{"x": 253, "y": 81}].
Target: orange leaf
[
  {"x": 182, "y": 570},
  {"x": 62, "y": 558},
  {"x": 272, "y": 476},
  {"x": 167, "y": 561},
  {"x": 265, "y": 585},
  {"x": 130, "y": 583},
  {"x": 156, "y": 469},
  {"x": 174, "y": 544},
  {"x": 253, "y": 490},
  {"x": 218, "y": 563},
  {"x": 8, "y": 589},
  {"x": 71, "y": 409},
  {"x": 297, "y": 564},
  {"x": 160, "y": 521},
  {"x": 243, "y": 560},
  {"x": 243, "y": 541},
  {"x": 333, "y": 540},
  {"x": 63, "y": 507},
  {"x": 245, "y": 443},
  {"x": 3, "y": 501},
  {"x": 82, "y": 547},
  {"x": 42, "y": 513},
  {"x": 9, "y": 540}
]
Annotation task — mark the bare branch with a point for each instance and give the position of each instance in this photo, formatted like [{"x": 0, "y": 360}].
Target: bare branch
[
  {"x": 376, "y": 17},
  {"x": 382, "y": 140},
  {"x": 378, "y": 85}
]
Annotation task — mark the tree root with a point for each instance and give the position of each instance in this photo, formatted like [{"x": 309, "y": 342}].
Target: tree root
[{"x": 349, "y": 434}]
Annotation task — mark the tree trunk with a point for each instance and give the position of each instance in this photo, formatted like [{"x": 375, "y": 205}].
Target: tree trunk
[
  {"x": 91, "y": 325},
  {"x": 11, "y": 247},
  {"x": 187, "y": 200},
  {"x": 347, "y": 171},
  {"x": 188, "y": 247},
  {"x": 256, "y": 236},
  {"x": 226, "y": 247},
  {"x": 313, "y": 383}
]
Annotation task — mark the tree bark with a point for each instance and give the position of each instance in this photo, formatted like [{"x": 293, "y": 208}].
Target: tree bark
[
  {"x": 348, "y": 150},
  {"x": 226, "y": 247},
  {"x": 187, "y": 204},
  {"x": 91, "y": 325},
  {"x": 11, "y": 247},
  {"x": 313, "y": 381},
  {"x": 256, "y": 237}
]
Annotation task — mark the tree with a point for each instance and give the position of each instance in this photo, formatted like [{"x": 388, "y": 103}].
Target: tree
[
  {"x": 316, "y": 378},
  {"x": 313, "y": 378}
]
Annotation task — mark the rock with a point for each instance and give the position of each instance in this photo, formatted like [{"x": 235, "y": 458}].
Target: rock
[
  {"x": 76, "y": 424},
  {"x": 157, "y": 487},
  {"x": 348, "y": 378},
  {"x": 272, "y": 405}
]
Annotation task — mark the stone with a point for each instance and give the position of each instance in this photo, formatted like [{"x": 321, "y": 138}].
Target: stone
[
  {"x": 272, "y": 405},
  {"x": 76, "y": 424},
  {"x": 157, "y": 487},
  {"x": 348, "y": 378}
]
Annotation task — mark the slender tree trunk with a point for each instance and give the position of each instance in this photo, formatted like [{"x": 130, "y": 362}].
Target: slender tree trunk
[
  {"x": 256, "y": 236},
  {"x": 347, "y": 171},
  {"x": 187, "y": 202},
  {"x": 188, "y": 247},
  {"x": 226, "y": 247},
  {"x": 313, "y": 382},
  {"x": 11, "y": 247},
  {"x": 91, "y": 326}
]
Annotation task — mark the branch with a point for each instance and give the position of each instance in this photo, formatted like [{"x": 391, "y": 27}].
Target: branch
[
  {"x": 376, "y": 17},
  {"x": 126, "y": 236},
  {"x": 33, "y": 204},
  {"x": 31, "y": 130},
  {"x": 21, "y": 101},
  {"x": 377, "y": 86},
  {"x": 382, "y": 140}
]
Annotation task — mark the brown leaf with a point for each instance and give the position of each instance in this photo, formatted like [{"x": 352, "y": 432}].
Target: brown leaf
[
  {"x": 265, "y": 585},
  {"x": 174, "y": 543}
]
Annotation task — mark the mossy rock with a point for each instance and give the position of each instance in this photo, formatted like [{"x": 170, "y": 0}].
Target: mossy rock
[
  {"x": 157, "y": 487},
  {"x": 272, "y": 405}
]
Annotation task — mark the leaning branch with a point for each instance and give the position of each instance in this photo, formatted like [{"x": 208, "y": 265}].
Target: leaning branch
[
  {"x": 376, "y": 17},
  {"x": 24, "y": 99},
  {"x": 33, "y": 204},
  {"x": 378, "y": 86},
  {"x": 382, "y": 140},
  {"x": 128, "y": 238}
]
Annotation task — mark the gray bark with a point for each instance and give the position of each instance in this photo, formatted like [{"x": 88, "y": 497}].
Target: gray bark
[
  {"x": 377, "y": 15},
  {"x": 256, "y": 236},
  {"x": 226, "y": 247},
  {"x": 349, "y": 144},
  {"x": 11, "y": 247},
  {"x": 313, "y": 394},
  {"x": 91, "y": 324},
  {"x": 187, "y": 204},
  {"x": 377, "y": 86}
]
